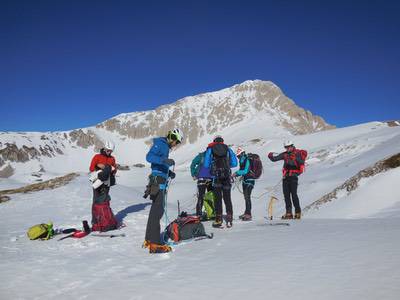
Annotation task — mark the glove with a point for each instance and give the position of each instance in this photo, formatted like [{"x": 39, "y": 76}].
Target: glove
[
  {"x": 171, "y": 174},
  {"x": 169, "y": 162},
  {"x": 270, "y": 155}
]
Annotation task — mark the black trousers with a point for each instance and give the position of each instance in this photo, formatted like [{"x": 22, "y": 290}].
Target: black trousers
[
  {"x": 247, "y": 189},
  {"x": 222, "y": 190},
  {"x": 289, "y": 185},
  {"x": 203, "y": 185},
  {"x": 157, "y": 195}
]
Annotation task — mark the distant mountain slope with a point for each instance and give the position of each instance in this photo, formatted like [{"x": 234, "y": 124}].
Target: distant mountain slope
[{"x": 249, "y": 105}]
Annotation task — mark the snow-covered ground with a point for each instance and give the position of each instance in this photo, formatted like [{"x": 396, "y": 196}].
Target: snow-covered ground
[{"x": 348, "y": 249}]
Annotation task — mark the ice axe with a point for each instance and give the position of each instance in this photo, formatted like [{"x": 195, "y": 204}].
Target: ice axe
[{"x": 272, "y": 199}]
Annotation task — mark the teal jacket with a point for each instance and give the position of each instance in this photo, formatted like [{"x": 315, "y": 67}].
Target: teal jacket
[
  {"x": 196, "y": 164},
  {"x": 244, "y": 164}
]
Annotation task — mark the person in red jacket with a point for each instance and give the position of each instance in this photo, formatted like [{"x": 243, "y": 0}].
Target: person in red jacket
[
  {"x": 103, "y": 169},
  {"x": 292, "y": 167}
]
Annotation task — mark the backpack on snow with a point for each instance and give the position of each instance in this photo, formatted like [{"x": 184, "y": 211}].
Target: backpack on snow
[
  {"x": 256, "y": 167},
  {"x": 184, "y": 228},
  {"x": 209, "y": 206},
  {"x": 40, "y": 231},
  {"x": 220, "y": 167},
  {"x": 103, "y": 218}
]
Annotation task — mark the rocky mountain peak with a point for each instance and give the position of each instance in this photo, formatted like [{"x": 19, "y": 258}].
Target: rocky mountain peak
[{"x": 210, "y": 112}]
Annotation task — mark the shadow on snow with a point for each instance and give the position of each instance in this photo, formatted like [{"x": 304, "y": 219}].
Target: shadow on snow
[{"x": 130, "y": 209}]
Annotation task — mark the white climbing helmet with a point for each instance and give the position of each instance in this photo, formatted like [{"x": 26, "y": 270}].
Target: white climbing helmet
[
  {"x": 288, "y": 143},
  {"x": 108, "y": 145},
  {"x": 239, "y": 151}
]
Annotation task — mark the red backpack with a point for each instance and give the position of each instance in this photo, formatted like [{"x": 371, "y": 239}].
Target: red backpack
[
  {"x": 184, "y": 228},
  {"x": 256, "y": 167},
  {"x": 300, "y": 166},
  {"x": 103, "y": 218}
]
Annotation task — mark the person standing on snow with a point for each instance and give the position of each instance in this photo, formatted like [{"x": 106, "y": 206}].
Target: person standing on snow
[
  {"x": 248, "y": 182},
  {"x": 157, "y": 187},
  {"x": 204, "y": 180},
  {"x": 103, "y": 169},
  {"x": 220, "y": 159},
  {"x": 292, "y": 167}
]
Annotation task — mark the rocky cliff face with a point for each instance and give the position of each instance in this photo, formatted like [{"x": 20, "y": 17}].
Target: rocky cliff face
[{"x": 210, "y": 112}]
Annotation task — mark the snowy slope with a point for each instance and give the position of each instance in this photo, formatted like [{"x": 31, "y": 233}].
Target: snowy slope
[{"x": 337, "y": 252}]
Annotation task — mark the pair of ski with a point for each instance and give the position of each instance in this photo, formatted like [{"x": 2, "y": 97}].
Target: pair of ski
[
  {"x": 274, "y": 223},
  {"x": 78, "y": 234}
]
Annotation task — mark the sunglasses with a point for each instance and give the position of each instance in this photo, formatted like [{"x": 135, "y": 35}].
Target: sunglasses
[{"x": 174, "y": 138}]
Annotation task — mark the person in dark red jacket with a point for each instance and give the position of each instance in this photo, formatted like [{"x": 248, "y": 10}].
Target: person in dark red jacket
[
  {"x": 103, "y": 168},
  {"x": 292, "y": 168}
]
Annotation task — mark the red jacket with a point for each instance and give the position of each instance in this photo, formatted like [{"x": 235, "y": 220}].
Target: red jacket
[{"x": 102, "y": 159}]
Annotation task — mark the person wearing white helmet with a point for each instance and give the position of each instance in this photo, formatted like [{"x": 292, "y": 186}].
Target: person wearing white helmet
[
  {"x": 248, "y": 182},
  {"x": 103, "y": 168},
  {"x": 158, "y": 156},
  {"x": 293, "y": 166}
]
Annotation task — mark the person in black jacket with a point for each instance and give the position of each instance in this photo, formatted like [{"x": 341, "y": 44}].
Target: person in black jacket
[
  {"x": 290, "y": 171},
  {"x": 220, "y": 159}
]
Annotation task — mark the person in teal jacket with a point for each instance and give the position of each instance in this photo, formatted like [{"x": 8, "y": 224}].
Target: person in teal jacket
[
  {"x": 248, "y": 182},
  {"x": 204, "y": 180}
]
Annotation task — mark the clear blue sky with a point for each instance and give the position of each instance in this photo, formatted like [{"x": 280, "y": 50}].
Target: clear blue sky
[{"x": 71, "y": 64}]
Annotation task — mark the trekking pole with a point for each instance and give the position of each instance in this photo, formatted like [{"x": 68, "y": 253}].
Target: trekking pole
[{"x": 179, "y": 209}]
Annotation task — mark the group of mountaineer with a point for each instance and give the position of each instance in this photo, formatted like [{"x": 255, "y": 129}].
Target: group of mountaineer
[{"x": 212, "y": 171}]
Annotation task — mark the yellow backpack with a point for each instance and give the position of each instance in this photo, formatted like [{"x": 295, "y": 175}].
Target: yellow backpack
[{"x": 41, "y": 231}]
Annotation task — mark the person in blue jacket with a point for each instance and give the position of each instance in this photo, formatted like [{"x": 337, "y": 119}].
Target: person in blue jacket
[
  {"x": 248, "y": 182},
  {"x": 220, "y": 159},
  {"x": 204, "y": 179},
  {"x": 160, "y": 172}
]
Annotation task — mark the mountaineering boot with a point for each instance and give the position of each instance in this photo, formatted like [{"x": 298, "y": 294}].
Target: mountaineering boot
[
  {"x": 297, "y": 215},
  {"x": 146, "y": 244},
  {"x": 217, "y": 223},
  {"x": 287, "y": 216},
  {"x": 229, "y": 219},
  {"x": 157, "y": 248},
  {"x": 246, "y": 217}
]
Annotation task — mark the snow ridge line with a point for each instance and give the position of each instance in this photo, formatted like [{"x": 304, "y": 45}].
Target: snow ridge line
[
  {"x": 352, "y": 183},
  {"x": 45, "y": 185}
]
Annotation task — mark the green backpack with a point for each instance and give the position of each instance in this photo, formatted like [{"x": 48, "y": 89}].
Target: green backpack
[
  {"x": 209, "y": 206},
  {"x": 41, "y": 231}
]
